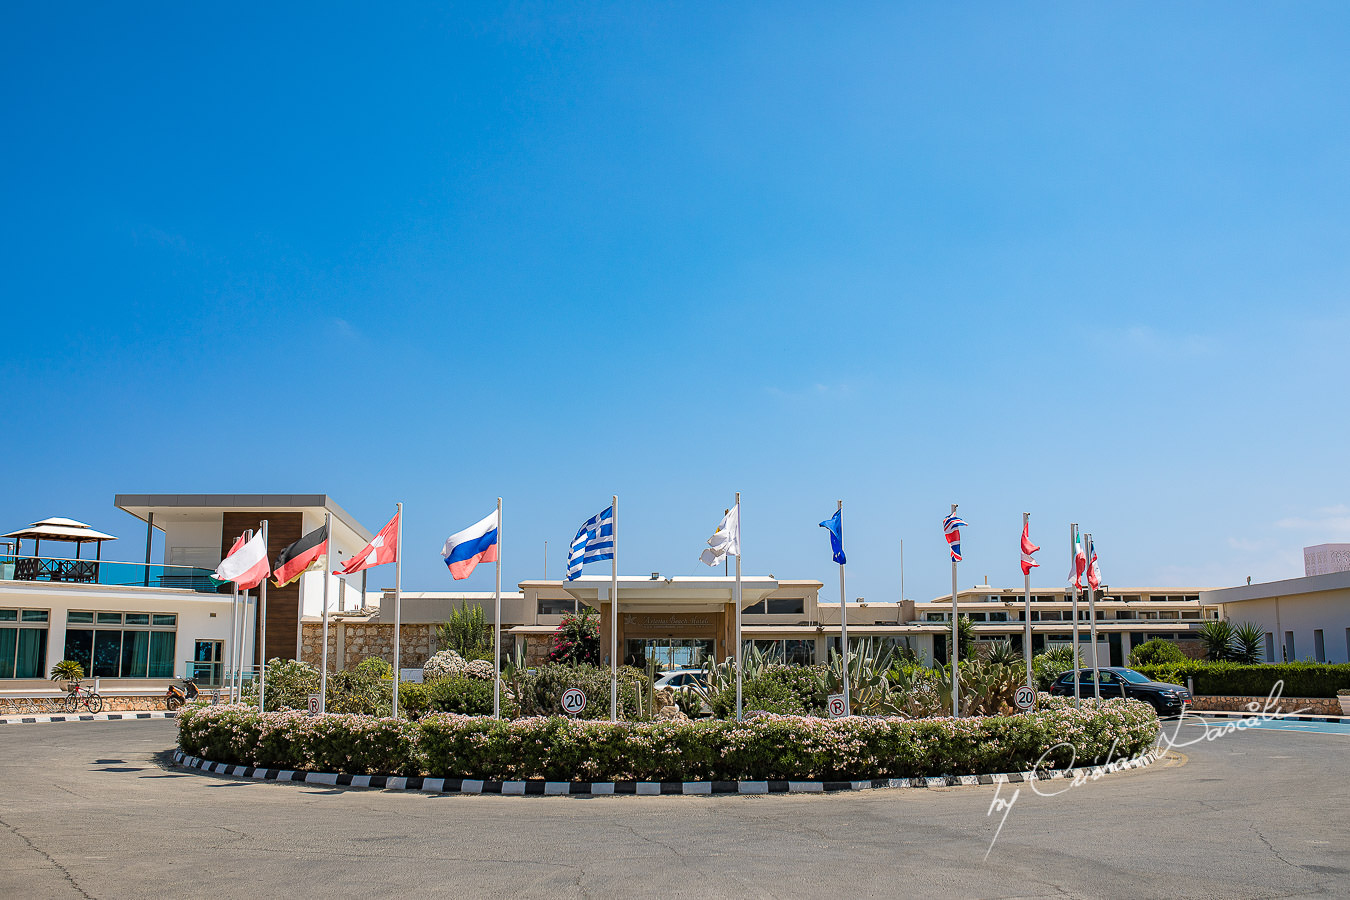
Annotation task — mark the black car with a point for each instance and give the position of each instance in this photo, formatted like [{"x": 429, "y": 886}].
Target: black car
[{"x": 1116, "y": 681}]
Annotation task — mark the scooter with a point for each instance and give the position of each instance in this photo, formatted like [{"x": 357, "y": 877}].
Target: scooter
[{"x": 176, "y": 696}]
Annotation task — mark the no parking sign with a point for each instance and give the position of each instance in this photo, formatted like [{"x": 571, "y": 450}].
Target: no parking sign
[{"x": 834, "y": 705}]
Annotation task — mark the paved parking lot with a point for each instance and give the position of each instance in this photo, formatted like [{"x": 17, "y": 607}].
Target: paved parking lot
[{"x": 92, "y": 810}]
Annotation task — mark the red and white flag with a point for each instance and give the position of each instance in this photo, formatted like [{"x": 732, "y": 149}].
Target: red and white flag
[
  {"x": 245, "y": 564},
  {"x": 1028, "y": 548},
  {"x": 1094, "y": 572},
  {"x": 1079, "y": 564},
  {"x": 384, "y": 549}
]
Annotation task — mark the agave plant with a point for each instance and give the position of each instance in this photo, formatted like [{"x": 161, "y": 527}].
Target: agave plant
[
  {"x": 869, "y": 687},
  {"x": 1247, "y": 640},
  {"x": 987, "y": 689},
  {"x": 1002, "y": 653},
  {"x": 1217, "y": 636}
]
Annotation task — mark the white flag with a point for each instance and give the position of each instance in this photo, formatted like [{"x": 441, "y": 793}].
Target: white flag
[
  {"x": 727, "y": 539},
  {"x": 246, "y": 564}
]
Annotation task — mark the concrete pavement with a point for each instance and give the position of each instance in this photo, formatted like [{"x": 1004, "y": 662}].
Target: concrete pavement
[{"x": 92, "y": 809}]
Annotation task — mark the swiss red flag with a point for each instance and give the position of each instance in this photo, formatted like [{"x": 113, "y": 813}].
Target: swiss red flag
[{"x": 384, "y": 549}]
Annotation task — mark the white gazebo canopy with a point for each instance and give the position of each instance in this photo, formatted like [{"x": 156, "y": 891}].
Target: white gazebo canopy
[{"x": 59, "y": 529}]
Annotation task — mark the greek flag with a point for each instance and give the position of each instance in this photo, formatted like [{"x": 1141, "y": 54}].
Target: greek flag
[{"x": 594, "y": 542}]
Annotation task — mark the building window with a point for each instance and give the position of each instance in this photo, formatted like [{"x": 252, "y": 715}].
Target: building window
[
  {"x": 794, "y": 652},
  {"x": 934, "y": 617},
  {"x": 1270, "y": 645},
  {"x": 1289, "y": 647},
  {"x": 778, "y": 606},
  {"x": 208, "y": 660},
  {"x": 23, "y": 643},
  {"x": 555, "y": 607},
  {"x": 122, "y": 645},
  {"x": 998, "y": 617},
  {"x": 1319, "y": 646}
]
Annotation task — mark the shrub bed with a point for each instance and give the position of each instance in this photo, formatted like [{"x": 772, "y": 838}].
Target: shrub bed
[
  {"x": 1300, "y": 679},
  {"x": 766, "y": 747}
]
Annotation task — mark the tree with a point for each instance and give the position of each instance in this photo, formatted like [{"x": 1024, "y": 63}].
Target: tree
[
  {"x": 1247, "y": 640},
  {"x": 466, "y": 632},
  {"x": 577, "y": 640},
  {"x": 1155, "y": 653}
]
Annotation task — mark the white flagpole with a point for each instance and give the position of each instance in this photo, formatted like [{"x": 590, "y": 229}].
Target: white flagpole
[
  {"x": 956, "y": 640},
  {"x": 398, "y": 601},
  {"x": 234, "y": 622},
  {"x": 1073, "y": 586},
  {"x": 327, "y": 577},
  {"x": 1092, "y": 623},
  {"x": 614, "y": 619},
  {"x": 737, "y": 601},
  {"x": 497, "y": 626},
  {"x": 843, "y": 615},
  {"x": 1026, "y": 614},
  {"x": 262, "y": 634}
]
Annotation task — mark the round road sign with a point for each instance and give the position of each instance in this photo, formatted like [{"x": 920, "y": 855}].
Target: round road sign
[
  {"x": 835, "y": 706},
  {"x": 1024, "y": 697},
  {"x": 573, "y": 701}
]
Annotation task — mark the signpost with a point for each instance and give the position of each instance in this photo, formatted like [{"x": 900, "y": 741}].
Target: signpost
[
  {"x": 1025, "y": 698},
  {"x": 573, "y": 701},
  {"x": 836, "y": 706}
]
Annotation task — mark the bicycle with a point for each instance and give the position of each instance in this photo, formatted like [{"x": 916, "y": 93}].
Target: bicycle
[
  {"x": 77, "y": 694},
  {"x": 176, "y": 696}
]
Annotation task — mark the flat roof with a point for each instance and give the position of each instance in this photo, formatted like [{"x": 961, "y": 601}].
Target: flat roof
[
  {"x": 1307, "y": 584},
  {"x": 141, "y": 505}
]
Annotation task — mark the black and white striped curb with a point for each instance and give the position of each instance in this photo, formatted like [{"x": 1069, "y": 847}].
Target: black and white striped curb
[
  {"x": 645, "y": 788},
  {"x": 85, "y": 717},
  {"x": 1273, "y": 717}
]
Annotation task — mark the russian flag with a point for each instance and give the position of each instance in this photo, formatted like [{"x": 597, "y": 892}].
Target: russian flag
[{"x": 464, "y": 550}]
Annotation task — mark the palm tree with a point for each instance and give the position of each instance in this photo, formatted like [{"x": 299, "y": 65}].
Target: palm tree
[
  {"x": 1247, "y": 640},
  {"x": 1217, "y": 636}
]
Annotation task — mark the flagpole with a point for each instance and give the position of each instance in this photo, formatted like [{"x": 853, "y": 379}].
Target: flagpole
[
  {"x": 843, "y": 615},
  {"x": 1026, "y": 615},
  {"x": 262, "y": 633},
  {"x": 956, "y": 641},
  {"x": 738, "y": 606},
  {"x": 327, "y": 577},
  {"x": 614, "y": 618},
  {"x": 497, "y": 626},
  {"x": 1073, "y": 585},
  {"x": 398, "y": 600},
  {"x": 1092, "y": 622},
  {"x": 234, "y": 616}
]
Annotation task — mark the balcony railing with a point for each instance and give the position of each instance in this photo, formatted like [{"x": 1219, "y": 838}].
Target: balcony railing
[{"x": 113, "y": 574}]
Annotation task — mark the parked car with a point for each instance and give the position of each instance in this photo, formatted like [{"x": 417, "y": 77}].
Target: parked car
[
  {"x": 1117, "y": 681},
  {"x": 681, "y": 679}
]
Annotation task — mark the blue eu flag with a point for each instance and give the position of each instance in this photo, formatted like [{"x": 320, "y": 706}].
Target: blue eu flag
[{"x": 836, "y": 525}]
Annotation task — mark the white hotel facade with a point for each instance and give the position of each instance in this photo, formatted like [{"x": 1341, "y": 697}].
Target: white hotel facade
[{"x": 137, "y": 624}]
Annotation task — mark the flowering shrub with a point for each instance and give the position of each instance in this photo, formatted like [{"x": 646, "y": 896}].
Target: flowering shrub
[
  {"x": 764, "y": 747},
  {"x": 481, "y": 669},
  {"x": 445, "y": 664},
  {"x": 577, "y": 639}
]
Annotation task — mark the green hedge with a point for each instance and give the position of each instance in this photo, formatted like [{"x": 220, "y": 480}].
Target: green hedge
[
  {"x": 766, "y": 747},
  {"x": 1300, "y": 679}
]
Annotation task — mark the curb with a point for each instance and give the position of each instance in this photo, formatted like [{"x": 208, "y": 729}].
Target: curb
[
  {"x": 1226, "y": 714},
  {"x": 86, "y": 717},
  {"x": 540, "y": 787}
]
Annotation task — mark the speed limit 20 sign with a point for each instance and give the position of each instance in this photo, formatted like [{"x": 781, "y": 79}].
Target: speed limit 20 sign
[
  {"x": 1024, "y": 697},
  {"x": 573, "y": 701}
]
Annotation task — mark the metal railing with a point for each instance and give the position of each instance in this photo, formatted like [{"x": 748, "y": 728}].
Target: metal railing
[{"x": 107, "y": 572}]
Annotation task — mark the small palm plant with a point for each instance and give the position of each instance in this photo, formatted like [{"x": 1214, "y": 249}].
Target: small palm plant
[
  {"x": 1247, "y": 640},
  {"x": 1217, "y": 636},
  {"x": 67, "y": 670},
  {"x": 1002, "y": 653}
]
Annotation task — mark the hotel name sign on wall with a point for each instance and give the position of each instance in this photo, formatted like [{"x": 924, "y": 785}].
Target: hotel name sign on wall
[{"x": 674, "y": 620}]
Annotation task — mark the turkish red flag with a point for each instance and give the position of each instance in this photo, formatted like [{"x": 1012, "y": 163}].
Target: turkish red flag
[{"x": 384, "y": 549}]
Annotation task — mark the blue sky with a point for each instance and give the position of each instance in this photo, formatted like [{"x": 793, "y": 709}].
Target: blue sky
[{"x": 1083, "y": 261}]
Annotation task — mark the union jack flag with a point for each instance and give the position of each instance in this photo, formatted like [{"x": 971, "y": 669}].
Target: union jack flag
[{"x": 950, "y": 527}]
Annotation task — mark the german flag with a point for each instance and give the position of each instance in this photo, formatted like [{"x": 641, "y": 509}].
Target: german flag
[{"x": 295, "y": 559}]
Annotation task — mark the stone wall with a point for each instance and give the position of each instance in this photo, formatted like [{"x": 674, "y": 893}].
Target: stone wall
[
  {"x": 348, "y": 644},
  {"x": 1314, "y": 706}
]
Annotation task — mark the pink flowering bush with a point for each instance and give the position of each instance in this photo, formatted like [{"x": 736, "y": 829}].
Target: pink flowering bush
[{"x": 764, "y": 747}]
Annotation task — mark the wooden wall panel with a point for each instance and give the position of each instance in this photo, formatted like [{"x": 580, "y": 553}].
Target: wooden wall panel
[{"x": 283, "y": 604}]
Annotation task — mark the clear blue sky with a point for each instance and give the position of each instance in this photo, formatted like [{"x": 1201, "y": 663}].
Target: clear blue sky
[{"x": 1084, "y": 261}]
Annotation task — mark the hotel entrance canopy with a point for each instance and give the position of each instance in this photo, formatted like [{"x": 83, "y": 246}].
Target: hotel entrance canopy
[{"x": 679, "y": 594}]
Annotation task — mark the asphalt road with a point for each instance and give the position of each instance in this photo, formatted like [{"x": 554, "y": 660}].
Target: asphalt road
[{"x": 94, "y": 810}]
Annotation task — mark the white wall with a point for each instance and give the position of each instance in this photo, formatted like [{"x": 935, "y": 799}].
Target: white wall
[{"x": 1301, "y": 614}]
